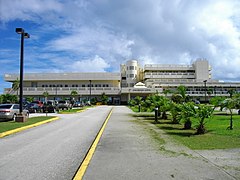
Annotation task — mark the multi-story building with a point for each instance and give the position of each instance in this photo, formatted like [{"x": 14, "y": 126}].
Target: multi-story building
[{"x": 133, "y": 80}]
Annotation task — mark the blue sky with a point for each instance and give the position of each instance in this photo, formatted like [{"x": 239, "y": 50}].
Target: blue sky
[{"x": 98, "y": 35}]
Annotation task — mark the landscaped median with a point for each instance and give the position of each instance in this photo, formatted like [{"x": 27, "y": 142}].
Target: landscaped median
[
  {"x": 71, "y": 111},
  {"x": 11, "y": 127}
]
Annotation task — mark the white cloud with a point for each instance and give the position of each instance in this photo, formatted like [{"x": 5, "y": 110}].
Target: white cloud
[
  {"x": 97, "y": 64},
  {"x": 27, "y": 9}
]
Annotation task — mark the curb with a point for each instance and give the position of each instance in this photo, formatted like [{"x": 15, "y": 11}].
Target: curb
[{"x": 26, "y": 127}]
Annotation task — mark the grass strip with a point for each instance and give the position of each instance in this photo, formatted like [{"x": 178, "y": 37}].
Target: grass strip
[
  {"x": 217, "y": 136},
  {"x": 10, "y": 127}
]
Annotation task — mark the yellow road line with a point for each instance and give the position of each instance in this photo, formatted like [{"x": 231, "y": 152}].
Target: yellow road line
[
  {"x": 88, "y": 157},
  {"x": 26, "y": 127}
]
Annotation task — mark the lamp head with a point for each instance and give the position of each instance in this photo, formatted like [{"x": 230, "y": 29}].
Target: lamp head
[
  {"x": 19, "y": 30},
  {"x": 26, "y": 35}
]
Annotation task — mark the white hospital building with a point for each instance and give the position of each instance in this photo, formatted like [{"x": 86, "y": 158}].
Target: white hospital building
[{"x": 132, "y": 80}]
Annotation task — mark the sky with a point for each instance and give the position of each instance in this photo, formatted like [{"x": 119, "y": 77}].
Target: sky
[{"x": 99, "y": 35}]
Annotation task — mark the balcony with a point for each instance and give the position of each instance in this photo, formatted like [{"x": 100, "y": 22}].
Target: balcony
[{"x": 36, "y": 91}]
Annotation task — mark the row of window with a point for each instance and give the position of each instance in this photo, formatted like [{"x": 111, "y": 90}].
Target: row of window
[
  {"x": 131, "y": 68},
  {"x": 76, "y": 85},
  {"x": 131, "y": 75},
  {"x": 167, "y": 73}
]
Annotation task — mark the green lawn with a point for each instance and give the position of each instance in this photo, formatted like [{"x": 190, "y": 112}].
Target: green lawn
[
  {"x": 10, "y": 125},
  {"x": 217, "y": 136}
]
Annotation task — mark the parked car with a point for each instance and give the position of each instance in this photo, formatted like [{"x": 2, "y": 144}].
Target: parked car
[
  {"x": 34, "y": 108},
  {"x": 49, "y": 106},
  {"x": 64, "y": 104},
  {"x": 10, "y": 111},
  {"x": 39, "y": 103},
  {"x": 77, "y": 104}
]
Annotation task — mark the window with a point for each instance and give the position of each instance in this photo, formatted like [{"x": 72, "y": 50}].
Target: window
[
  {"x": 131, "y": 67},
  {"x": 34, "y": 84},
  {"x": 83, "y": 85},
  {"x": 66, "y": 85},
  {"x": 132, "y": 75},
  {"x": 16, "y": 106}
]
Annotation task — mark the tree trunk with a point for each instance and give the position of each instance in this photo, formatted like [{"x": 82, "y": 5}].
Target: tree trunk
[
  {"x": 188, "y": 124},
  {"x": 164, "y": 115}
]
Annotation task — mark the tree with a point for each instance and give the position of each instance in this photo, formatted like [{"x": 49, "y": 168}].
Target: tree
[
  {"x": 231, "y": 92},
  {"x": 156, "y": 102},
  {"x": 9, "y": 98},
  {"x": 165, "y": 106},
  {"x": 166, "y": 92},
  {"x": 177, "y": 98},
  {"x": 15, "y": 85},
  {"x": 138, "y": 100},
  {"x": 104, "y": 98},
  {"x": 74, "y": 93},
  {"x": 210, "y": 91},
  {"x": 187, "y": 111},
  {"x": 202, "y": 112},
  {"x": 182, "y": 91},
  {"x": 131, "y": 102},
  {"x": 29, "y": 99},
  {"x": 230, "y": 104},
  {"x": 45, "y": 94},
  {"x": 175, "y": 110},
  {"x": 216, "y": 101}
]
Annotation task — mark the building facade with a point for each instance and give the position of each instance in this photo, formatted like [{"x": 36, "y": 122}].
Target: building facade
[{"x": 133, "y": 80}]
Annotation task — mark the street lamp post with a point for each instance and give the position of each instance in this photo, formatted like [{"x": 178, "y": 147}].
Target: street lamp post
[
  {"x": 205, "y": 85},
  {"x": 23, "y": 35}
]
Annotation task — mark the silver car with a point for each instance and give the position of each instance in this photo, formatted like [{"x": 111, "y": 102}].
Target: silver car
[{"x": 9, "y": 111}]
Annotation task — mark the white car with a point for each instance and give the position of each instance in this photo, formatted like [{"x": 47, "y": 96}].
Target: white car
[{"x": 10, "y": 111}]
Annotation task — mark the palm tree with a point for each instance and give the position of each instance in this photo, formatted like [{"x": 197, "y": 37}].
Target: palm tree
[
  {"x": 202, "y": 111},
  {"x": 231, "y": 92},
  {"x": 175, "y": 112},
  {"x": 187, "y": 111},
  {"x": 45, "y": 94},
  {"x": 74, "y": 93},
  {"x": 15, "y": 85},
  {"x": 216, "y": 101},
  {"x": 166, "y": 92},
  {"x": 104, "y": 98},
  {"x": 182, "y": 91},
  {"x": 9, "y": 98},
  {"x": 230, "y": 104},
  {"x": 165, "y": 106}
]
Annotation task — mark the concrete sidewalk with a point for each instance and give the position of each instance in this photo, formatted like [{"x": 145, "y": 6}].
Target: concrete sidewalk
[{"x": 128, "y": 151}]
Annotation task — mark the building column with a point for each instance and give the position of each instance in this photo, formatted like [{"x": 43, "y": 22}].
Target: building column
[{"x": 129, "y": 96}]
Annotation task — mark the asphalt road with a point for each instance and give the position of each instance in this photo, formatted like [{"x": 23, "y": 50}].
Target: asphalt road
[{"x": 51, "y": 151}]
